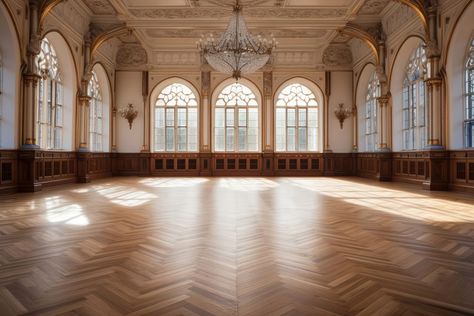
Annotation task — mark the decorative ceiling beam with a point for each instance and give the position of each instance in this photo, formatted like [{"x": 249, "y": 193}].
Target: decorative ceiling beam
[
  {"x": 45, "y": 9},
  {"x": 363, "y": 35},
  {"x": 419, "y": 8}
]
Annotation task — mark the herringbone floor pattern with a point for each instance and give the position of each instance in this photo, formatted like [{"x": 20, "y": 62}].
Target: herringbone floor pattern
[{"x": 237, "y": 246}]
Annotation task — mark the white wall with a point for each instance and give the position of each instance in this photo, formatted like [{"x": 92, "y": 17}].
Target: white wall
[
  {"x": 340, "y": 140},
  {"x": 129, "y": 90},
  {"x": 361, "y": 95},
  {"x": 396, "y": 88},
  {"x": 457, "y": 57},
  {"x": 9, "y": 99}
]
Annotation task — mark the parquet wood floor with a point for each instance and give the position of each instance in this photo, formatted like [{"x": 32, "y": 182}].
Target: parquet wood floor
[{"x": 237, "y": 246}]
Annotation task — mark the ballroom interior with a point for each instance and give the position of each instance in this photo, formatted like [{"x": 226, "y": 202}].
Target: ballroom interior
[{"x": 237, "y": 157}]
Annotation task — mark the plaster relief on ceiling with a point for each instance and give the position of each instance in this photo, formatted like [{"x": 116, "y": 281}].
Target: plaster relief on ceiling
[
  {"x": 100, "y": 7},
  {"x": 303, "y": 58},
  {"x": 194, "y": 33},
  {"x": 201, "y": 12},
  {"x": 373, "y": 7},
  {"x": 400, "y": 17},
  {"x": 341, "y": 38},
  {"x": 177, "y": 58},
  {"x": 337, "y": 55},
  {"x": 131, "y": 55},
  {"x": 231, "y": 3}
]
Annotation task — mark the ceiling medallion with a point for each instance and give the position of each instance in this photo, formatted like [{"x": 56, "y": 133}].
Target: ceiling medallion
[{"x": 237, "y": 52}]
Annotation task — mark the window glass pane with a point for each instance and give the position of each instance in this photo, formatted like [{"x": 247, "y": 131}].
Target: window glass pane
[
  {"x": 170, "y": 138},
  {"x": 219, "y": 139},
  {"x": 229, "y": 117},
  {"x": 229, "y": 139},
  {"x": 170, "y": 117},
  {"x": 242, "y": 117},
  {"x": 302, "y": 146},
  {"x": 242, "y": 138},
  {"x": 291, "y": 138},
  {"x": 312, "y": 139},
  {"x": 220, "y": 118},
  {"x": 291, "y": 117},
  {"x": 182, "y": 139},
  {"x": 302, "y": 117},
  {"x": 181, "y": 117}
]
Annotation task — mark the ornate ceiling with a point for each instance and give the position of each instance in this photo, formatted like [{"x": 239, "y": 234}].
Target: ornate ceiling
[{"x": 168, "y": 29}]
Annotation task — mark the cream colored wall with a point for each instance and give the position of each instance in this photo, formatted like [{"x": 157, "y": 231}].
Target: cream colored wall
[
  {"x": 128, "y": 89},
  {"x": 340, "y": 140}
]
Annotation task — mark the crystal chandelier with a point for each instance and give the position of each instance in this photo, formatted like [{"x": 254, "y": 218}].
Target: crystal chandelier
[{"x": 237, "y": 52}]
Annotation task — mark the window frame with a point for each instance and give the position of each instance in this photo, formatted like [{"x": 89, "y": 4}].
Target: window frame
[
  {"x": 256, "y": 96},
  {"x": 414, "y": 105},
  {"x": 311, "y": 96},
  {"x": 169, "y": 84},
  {"x": 50, "y": 102},
  {"x": 373, "y": 93},
  {"x": 96, "y": 106},
  {"x": 468, "y": 97}
]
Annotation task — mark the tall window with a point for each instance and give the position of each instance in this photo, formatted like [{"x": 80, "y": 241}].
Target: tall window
[
  {"x": 469, "y": 105},
  {"x": 50, "y": 99},
  {"x": 373, "y": 92},
  {"x": 297, "y": 119},
  {"x": 414, "y": 110},
  {"x": 236, "y": 120},
  {"x": 176, "y": 119},
  {"x": 96, "y": 132}
]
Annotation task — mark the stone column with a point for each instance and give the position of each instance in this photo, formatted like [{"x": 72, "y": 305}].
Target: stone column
[
  {"x": 327, "y": 95},
  {"x": 146, "y": 114},
  {"x": 268, "y": 127},
  {"x": 205, "y": 123},
  {"x": 383, "y": 130},
  {"x": 84, "y": 103},
  {"x": 114, "y": 128}
]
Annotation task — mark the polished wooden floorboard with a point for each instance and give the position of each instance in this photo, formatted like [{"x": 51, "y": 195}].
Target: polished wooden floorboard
[{"x": 237, "y": 246}]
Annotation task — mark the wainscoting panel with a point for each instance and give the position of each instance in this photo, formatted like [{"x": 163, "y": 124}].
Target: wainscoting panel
[
  {"x": 8, "y": 170},
  {"x": 462, "y": 170}
]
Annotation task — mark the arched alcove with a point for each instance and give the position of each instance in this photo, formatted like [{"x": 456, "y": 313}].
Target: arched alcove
[
  {"x": 10, "y": 62},
  {"x": 455, "y": 69}
]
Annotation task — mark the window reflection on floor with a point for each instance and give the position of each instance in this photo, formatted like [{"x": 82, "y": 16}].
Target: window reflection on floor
[
  {"x": 247, "y": 184},
  {"x": 172, "y": 182},
  {"x": 124, "y": 196},
  {"x": 59, "y": 211}
]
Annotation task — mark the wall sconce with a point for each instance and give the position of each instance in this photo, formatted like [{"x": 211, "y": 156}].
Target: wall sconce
[
  {"x": 342, "y": 114},
  {"x": 129, "y": 113}
]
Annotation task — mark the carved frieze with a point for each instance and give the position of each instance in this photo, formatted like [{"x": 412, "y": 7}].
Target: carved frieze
[
  {"x": 337, "y": 55},
  {"x": 131, "y": 55},
  {"x": 209, "y": 12},
  {"x": 100, "y": 7},
  {"x": 176, "y": 58},
  {"x": 373, "y": 7},
  {"x": 196, "y": 33},
  {"x": 296, "y": 58}
]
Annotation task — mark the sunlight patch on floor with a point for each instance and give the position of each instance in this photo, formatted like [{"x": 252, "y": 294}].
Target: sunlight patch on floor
[
  {"x": 58, "y": 211},
  {"x": 124, "y": 196},
  {"x": 172, "y": 182},
  {"x": 247, "y": 184}
]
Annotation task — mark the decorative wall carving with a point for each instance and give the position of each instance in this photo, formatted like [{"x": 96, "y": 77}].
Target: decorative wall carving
[
  {"x": 100, "y": 7},
  {"x": 196, "y": 33},
  {"x": 131, "y": 55},
  {"x": 337, "y": 55},
  {"x": 201, "y": 12},
  {"x": 301, "y": 58},
  {"x": 396, "y": 20},
  {"x": 373, "y": 7},
  {"x": 177, "y": 58}
]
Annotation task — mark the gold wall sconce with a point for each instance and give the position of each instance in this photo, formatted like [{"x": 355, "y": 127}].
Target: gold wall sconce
[
  {"x": 342, "y": 114},
  {"x": 129, "y": 113}
]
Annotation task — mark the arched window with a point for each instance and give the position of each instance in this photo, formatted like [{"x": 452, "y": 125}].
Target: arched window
[
  {"x": 297, "y": 119},
  {"x": 50, "y": 99},
  {"x": 176, "y": 119},
  {"x": 96, "y": 129},
  {"x": 414, "y": 110},
  {"x": 469, "y": 106},
  {"x": 373, "y": 92},
  {"x": 236, "y": 120}
]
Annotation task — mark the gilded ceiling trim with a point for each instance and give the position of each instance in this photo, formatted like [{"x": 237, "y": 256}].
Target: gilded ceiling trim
[
  {"x": 364, "y": 36},
  {"x": 46, "y": 8},
  {"x": 118, "y": 31}
]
